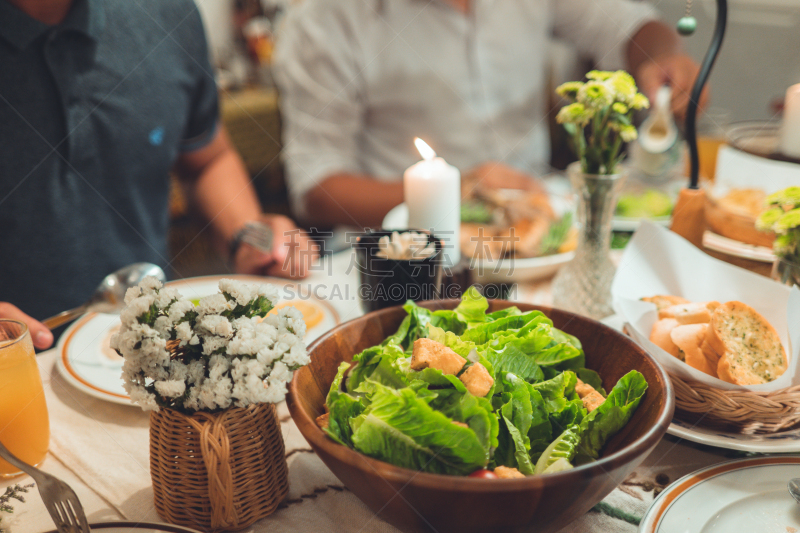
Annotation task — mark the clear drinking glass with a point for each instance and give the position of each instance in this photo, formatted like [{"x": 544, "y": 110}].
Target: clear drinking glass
[{"x": 24, "y": 422}]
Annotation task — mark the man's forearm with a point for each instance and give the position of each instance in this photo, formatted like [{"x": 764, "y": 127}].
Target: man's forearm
[
  {"x": 220, "y": 186},
  {"x": 653, "y": 40},
  {"x": 352, "y": 200}
]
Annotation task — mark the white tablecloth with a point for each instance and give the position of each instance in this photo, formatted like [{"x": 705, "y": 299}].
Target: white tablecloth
[{"x": 101, "y": 450}]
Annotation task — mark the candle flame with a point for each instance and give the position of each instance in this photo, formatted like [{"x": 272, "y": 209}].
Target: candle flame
[{"x": 425, "y": 151}]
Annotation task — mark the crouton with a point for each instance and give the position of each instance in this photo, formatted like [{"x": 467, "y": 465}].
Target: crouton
[
  {"x": 662, "y": 301},
  {"x": 322, "y": 421},
  {"x": 477, "y": 380},
  {"x": 583, "y": 389},
  {"x": 428, "y": 353},
  {"x": 592, "y": 400},
  {"x": 505, "y": 472}
]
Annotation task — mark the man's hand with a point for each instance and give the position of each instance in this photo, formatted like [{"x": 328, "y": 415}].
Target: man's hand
[
  {"x": 496, "y": 175},
  {"x": 678, "y": 71},
  {"x": 292, "y": 252},
  {"x": 41, "y": 336}
]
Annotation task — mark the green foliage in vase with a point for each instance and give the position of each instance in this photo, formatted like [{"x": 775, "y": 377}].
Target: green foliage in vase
[
  {"x": 600, "y": 117},
  {"x": 782, "y": 216}
]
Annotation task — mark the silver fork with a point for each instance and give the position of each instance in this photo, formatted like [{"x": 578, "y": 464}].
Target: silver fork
[{"x": 60, "y": 500}]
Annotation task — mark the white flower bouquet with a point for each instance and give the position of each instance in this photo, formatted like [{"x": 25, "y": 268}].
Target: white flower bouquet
[
  {"x": 600, "y": 117},
  {"x": 226, "y": 351}
]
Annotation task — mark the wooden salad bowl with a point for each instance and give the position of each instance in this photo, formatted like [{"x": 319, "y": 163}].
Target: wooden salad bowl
[{"x": 421, "y": 501}]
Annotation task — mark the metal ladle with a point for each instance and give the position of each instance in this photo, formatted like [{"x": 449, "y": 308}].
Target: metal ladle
[{"x": 109, "y": 296}]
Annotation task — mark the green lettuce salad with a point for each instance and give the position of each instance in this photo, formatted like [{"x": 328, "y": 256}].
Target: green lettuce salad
[{"x": 519, "y": 407}]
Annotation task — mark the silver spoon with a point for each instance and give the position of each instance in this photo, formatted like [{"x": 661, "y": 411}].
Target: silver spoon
[
  {"x": 109, "y": 296},
  {"x": 794, "y": 488}
]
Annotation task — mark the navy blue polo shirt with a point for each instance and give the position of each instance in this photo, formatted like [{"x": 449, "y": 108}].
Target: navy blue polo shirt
[{"x": 93, "y": 113}]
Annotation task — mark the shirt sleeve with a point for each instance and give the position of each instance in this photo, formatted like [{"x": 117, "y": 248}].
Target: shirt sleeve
[
  {"x": 203, "y": 118},
  {"x": 316, "y": 70},
  {"x": 601, "y": 28}
]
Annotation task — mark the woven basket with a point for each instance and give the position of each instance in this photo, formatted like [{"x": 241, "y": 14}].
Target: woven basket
[
  {"x": 737, "y": 410},
  {"x": 217, "y": 471}
]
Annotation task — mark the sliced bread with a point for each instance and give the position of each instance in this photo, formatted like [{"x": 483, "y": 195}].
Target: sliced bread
[
  {"x": 662, "y": 301},
  {"x": 690, "y": 313},
  {"x": 750, "y": 349}
]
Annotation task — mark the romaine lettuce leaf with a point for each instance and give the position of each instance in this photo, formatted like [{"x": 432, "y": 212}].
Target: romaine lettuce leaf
[
  {"x": 564, "y": 447},
  {"x": 501, "y": 313},
  {"x": 512, "y": 359},
  {"x": 557, "y": 391},
  {"x": 483, "y": 333},
  {"x": 401, "y": 429},
  {"x": 476, "y": 412},
  {"x": 383, "y": 363},
  {"x": 341, "y": 408},
  {"x": 612, "y": 415},
  {"x": 516, "y": 412},
  {"x": 472, "y": 308}
]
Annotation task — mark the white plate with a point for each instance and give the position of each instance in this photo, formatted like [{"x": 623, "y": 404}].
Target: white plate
[
  {"x": 499, "y": 270},
  {"x": 735, "y": 248},
  {"x": 88, "y": 363},
  {"x": 742, "y": 496},
  {"x": 781, "y": 442},
  {"x": 137, "y": 527}
]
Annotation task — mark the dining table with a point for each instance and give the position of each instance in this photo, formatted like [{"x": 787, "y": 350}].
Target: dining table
[{"x": 101, "y": 449}]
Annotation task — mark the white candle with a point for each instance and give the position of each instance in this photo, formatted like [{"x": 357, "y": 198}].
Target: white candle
[
  {"x": 790, "y": 131},
  {"x": 432, "y": 191}
]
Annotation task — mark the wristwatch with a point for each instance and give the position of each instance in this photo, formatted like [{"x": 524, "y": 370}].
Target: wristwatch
[{"x": 257, "y": 234}]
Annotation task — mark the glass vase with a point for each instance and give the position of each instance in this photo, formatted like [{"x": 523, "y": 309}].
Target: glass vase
[
  {"x": 786, "y": 271},
  {"x": 583, "y": 285}
]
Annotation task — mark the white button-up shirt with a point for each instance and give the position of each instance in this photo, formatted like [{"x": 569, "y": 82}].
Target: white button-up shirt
[{"x": 359, "y": 79}]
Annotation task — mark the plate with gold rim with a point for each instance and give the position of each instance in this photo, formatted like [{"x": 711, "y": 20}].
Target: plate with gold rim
[
  {"x": 87, "y": 362},
  {"x": 739, "y": 496}
]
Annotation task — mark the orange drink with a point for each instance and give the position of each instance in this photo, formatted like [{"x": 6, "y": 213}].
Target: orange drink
[
  {"x": 24, "y": 423},
  {"x": 707, "y": 149}
]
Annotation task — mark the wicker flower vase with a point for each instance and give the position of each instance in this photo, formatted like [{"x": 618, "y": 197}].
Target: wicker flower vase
[{"x": 217, "y": 471}]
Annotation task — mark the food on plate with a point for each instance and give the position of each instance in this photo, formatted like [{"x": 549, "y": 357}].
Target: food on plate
[
  {"x": 665, "y": 300},
  {"x": 652, "y": 203},
  {"x": 748, "y": 202},
  {"x": 466, "y": 392},
  {"x": 497, "y": 223},
  {"x": 729, "y": 341},
  {"x": 734, "y": 216},
  {"x": 750, "y": 351}
]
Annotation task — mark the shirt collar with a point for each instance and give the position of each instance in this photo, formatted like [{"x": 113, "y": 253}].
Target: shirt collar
[{"x": 20, "y": 30}]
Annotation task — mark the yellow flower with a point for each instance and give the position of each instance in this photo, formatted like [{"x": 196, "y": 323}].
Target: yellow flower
[
  {"x": 623, "y": 86},
  {"x": 595, "y": 95},
  {"x": 628, "y": 133},
  {"x": 569, "y": 89},
  {"x": 619, "y": 107},
  {"x": 574, "y": 114},
  {"x": 600, "y": 75},
  {"x": 640, "y": 101}
]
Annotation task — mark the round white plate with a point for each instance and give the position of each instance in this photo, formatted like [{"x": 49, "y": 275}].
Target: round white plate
[
  {"x": 88, "y": 363},
  {"x": 781, "y": 442},
  {"x": 497, "y": 270},
  {"x": 741, "y": 496},
  {"x": 735, "y": 248},
  {"x": 137, "y": 527}
]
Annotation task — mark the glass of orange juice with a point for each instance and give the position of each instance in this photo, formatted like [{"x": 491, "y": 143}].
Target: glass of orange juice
[
  {"x": 711, "y": 134},
  {"x": 24, "y": 423}
]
